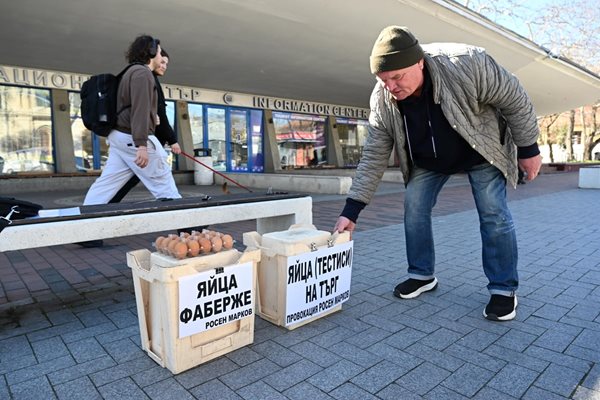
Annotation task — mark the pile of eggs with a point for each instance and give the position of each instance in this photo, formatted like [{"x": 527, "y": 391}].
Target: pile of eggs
[{"x": 193, "y": 244}]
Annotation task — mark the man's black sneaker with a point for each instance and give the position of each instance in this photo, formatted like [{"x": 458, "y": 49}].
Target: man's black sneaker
[
  {"x": 411, "y": 288},
  {"x": 91, "y": 243},
  {"x": 501, "y": 308}
]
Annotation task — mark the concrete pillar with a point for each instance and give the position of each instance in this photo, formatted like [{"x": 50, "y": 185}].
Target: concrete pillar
[
  {"x": 334, "y": 148},
  {"x": 272, "y": 158},
  {"x": 63, "y": 138},
  {"x": 184, "y": 135}
]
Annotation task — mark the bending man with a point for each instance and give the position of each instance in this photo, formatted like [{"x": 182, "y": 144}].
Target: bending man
[{"x": 447, "y": 108}]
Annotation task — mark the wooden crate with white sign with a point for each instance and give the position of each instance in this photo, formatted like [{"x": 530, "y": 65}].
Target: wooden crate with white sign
[
  {"x": 303, "y": 274},
  {"x": 193, "y": 310}
]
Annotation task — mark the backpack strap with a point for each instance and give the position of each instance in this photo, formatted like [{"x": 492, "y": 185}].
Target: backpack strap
[{"x": 119, "y": 76}]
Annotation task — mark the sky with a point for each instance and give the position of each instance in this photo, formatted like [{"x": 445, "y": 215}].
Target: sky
[
  {"x": 530, "y": 9},
  {"x": 579, "y": 34}
]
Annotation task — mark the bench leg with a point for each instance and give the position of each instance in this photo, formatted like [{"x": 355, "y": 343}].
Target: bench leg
[{"x": 275, "y": 224}]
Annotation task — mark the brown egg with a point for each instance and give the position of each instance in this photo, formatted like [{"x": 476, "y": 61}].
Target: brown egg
[
  {"x": 205, "y": 245},
  {"x": 180, "y": 250},
  {"x": 227, "y": 241},
  {"x": 171, "y": 246},
  {"x": 158, "y": 242},
  {"x": 184, "y": 235},
  {"x": 164, "y": 245},
  {"x": 217, "y": 244},
  {"x": 193, "y": 247}
]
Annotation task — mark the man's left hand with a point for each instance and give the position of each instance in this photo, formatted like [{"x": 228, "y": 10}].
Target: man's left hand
[{"x": 531, "y": 166}]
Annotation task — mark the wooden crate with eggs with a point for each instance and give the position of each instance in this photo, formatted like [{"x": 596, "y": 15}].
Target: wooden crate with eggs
[{"x": 195, "y": 297}]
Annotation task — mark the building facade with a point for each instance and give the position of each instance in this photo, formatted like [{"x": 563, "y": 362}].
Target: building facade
[{"x": 41, "y": 131}]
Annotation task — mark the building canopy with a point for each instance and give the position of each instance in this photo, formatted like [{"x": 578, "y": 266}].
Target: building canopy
[{"x": 310, "y": 50}]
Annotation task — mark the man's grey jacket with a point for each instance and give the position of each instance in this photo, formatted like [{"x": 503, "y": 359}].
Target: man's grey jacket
[{"x": 472, "y": 90}]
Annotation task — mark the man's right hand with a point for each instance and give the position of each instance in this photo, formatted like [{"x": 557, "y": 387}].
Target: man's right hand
[
  {"x": 344, "y": 224},
  {"x": 141, "y": 157}
]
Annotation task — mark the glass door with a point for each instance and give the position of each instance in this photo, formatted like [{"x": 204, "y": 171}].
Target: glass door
[
  {"x": 352, "y": 134},
  {"x": 234, "y": 136}
]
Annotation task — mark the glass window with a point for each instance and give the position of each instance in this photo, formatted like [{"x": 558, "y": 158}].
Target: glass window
[
  {"x": 258, "y": 161},
  {"x": 352, "y": 134},
  {"x": 245, "y": 140},
  {"x": 215, "y": 127},
  {"x": 196, "y": 122},
  {"x": 91, "y": 151},
  {"x": 25, "y": 130},
  {"x": 171, "y": 112},
  {"x": 239, "y": 140},
  {"x": 83, "y": 138},
  {"x": 300, "y": 139},
  {"x": 171, "y": 159},
  {"x": 234, "y": 136}
]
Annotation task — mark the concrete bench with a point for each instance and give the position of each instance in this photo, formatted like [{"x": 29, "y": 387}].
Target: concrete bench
[
  {"x": 272, "y": 213},
  {"x": 589, "y": 177}
]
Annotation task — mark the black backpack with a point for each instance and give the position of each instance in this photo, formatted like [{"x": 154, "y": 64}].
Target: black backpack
[{"x": 99, "y": 102}]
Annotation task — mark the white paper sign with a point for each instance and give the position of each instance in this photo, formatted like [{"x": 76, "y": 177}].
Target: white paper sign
[
  {"x": 317, "y": 281},
  {"x": 59, "y": 212},
  {"x": 213, "y": 298}
]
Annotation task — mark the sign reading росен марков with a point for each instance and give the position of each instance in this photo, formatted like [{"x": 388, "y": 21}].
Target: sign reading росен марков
[
  {"x": 216, "y": 297},
  {"x": 317, "y": 281}
]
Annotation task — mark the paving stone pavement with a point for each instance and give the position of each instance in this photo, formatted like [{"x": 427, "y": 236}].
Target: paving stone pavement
[{"x": 69, "y": 327}]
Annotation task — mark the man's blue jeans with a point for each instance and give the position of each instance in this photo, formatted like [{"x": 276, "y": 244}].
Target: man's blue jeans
[{"x": 499, "y": 242}]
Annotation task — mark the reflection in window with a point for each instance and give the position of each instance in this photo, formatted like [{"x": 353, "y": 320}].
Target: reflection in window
[
  {"x": 171, "y": 113},
  {"x": 256, "y": 142},
  {"x": 352, "y": 134},
  {"x": 300, "y": 140},
  {"x": 171, "y": 159},
  {"x": 83, "y": 139},
  {"x": 25, "y": 130},
  {"x": 239, "y": 140},
  {"x": 215, "y": 126},
  {"x": 196, "y": 123}
]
